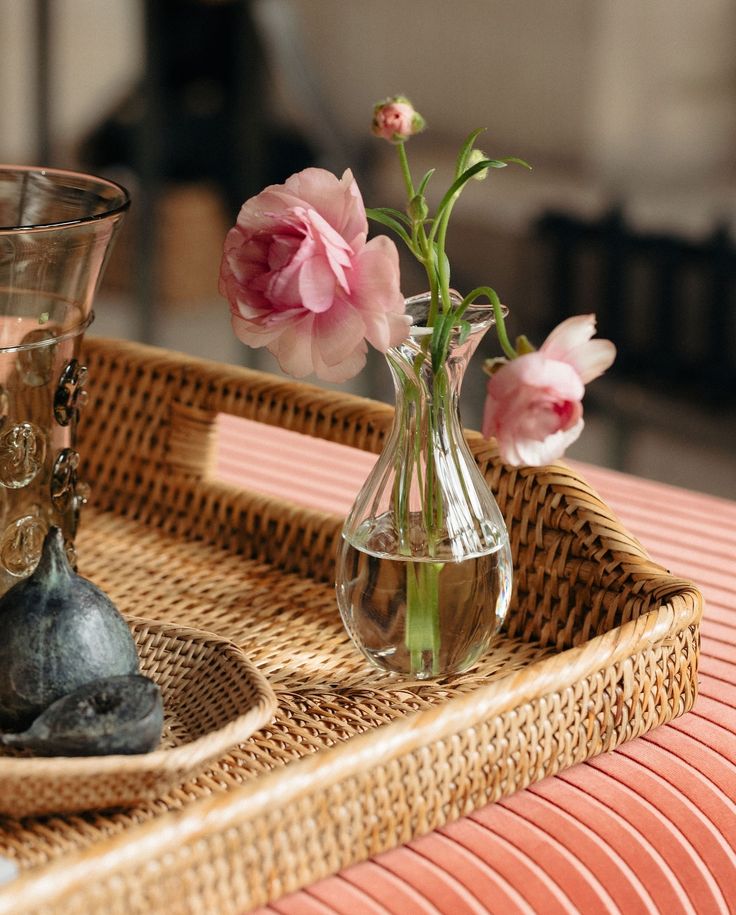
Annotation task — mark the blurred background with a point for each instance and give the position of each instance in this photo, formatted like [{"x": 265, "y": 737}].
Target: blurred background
[{"x": 627, "y": 111}]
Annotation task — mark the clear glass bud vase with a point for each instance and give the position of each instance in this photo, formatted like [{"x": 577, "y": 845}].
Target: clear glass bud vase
[{"x": 424, "y": 569}]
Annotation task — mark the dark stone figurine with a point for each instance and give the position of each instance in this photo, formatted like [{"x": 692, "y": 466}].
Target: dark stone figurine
[
  {"x": 116, "y": 715},
  {"x": 58, "y": 631}
]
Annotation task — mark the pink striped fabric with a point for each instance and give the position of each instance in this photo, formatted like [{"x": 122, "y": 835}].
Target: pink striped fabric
[{"x": 649, "y": 828}]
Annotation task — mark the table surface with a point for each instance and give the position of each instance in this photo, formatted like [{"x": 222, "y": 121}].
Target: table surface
[{"x": 650, "y": 827}]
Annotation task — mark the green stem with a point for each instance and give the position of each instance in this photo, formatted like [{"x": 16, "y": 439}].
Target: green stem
[
  {"x": 422, "y": 629},
  {"x": 493, "y": 298},
  {"x": 444, "y": 278},
  {"x": 422, "y": 615},
  {"x": 405, "y": 170},
  {"x": 503, "y": 337}
]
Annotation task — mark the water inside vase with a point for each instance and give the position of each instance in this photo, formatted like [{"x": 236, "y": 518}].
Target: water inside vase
[{"x": 373, "y": 597}]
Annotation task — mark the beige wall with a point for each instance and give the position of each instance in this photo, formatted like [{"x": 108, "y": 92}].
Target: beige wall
[
  {"x": 518, "y": 68},
  {"x": 632, "y": 91},
  {"x": 96, "y": 53},
  {"x": 627, "y": 91}
]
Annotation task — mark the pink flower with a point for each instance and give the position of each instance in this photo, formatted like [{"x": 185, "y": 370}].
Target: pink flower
[
  {"x": 395, "y": 119},
  {"x": 302, "y": 280},
  {"x": 533, "y": 405}
]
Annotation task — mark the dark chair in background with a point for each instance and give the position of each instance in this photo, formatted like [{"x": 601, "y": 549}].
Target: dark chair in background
[{"x": 669, "y": 304}]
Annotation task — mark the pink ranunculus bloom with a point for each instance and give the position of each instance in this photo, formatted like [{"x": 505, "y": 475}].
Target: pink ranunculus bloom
[
  {"x": 302, "y": 280},
  {"x": 533, "y": 405},
  {"x": 396, "y": 120}
]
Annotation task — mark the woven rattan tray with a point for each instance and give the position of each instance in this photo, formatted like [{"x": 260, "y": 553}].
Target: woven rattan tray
[
  {"x": 214, "y": 699},
  {"x": 600, "y": 646}
]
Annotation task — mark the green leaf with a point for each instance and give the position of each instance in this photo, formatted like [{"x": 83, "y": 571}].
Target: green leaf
[
  {"x": 460, "y": 182},
  {"x": 523, "y": 346},
  {"x": 390, "y": 211},
  {"x": 516, "y": 161},
  {"x": 425, "y": 180},
  {"x": 462, "y": 157},
  {"x": 445, "y": 260},
  {"x": 392, "y": 223},
  {"x": 465, "y": 329},
  {"x": 436, "y": 345}
]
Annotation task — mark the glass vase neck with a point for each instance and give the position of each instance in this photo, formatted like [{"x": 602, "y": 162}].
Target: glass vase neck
[{"x": 413, "y": 364}]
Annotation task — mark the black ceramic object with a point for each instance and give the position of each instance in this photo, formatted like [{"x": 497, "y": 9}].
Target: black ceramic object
[
  {"x": 58, "y": 631},
  {"x": 111, "y": 716}
]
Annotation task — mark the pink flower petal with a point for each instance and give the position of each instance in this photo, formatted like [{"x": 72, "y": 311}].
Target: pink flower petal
[
  {"x": 332, "y": 247},
  {"x": 571, "y": 342},
  {"x": 338, "y": 201},
  {"x": 251, "y": 333},
  {"x": 338, "y": 332},
  {"x": 293, "y": 346},
  {"x": 531, "y": 453},
  {"x": 536, "y": 370},
  {"x": 593, "y": 359},
  {"x": 375, "y": 289},
  {"x": 316, "y": 284},
  {"x": 342, "y": 371}
]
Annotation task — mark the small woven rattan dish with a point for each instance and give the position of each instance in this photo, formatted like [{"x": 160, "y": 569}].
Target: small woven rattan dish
[{"x": 214, "y": 699}]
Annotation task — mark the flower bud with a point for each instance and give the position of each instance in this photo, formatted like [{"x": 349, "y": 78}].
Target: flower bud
[
  {"x": 523, "y": 346},
  {"x": 417, "y": 210},
  {"x": 493, "y": 364},
  {"x": 476, "y": 156},
  {"x": 395, "y": 119}
]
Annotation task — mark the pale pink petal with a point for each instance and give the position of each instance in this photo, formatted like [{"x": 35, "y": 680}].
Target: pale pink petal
[
  {"x": 342, "y": 371},
  {"x": 282, "y": 287},
  {"x": 538, "y": 371},
  {"x": 316, "y": 285},
  {"x": 571, "y": 342},
  {"x": 531, "y": 453},
  {"x": 338, "y": 201},
  {"x": 375, "y": 290},
  {"x": 252, "y": 334},
  {"x": 293, "y": 347},
  {"x": 593, "y": 359},
  {"x": 338, "y": 332},
  {"x": 283, "y": 250},
  {"x": 334, "y": 248},
  {"x": 266, "y": 210},
  {"x": 568, "y": 335}
]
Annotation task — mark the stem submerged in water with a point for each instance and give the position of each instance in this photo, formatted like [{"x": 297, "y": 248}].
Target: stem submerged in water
[
  {"x": 422, "y": 628},
  {"x": 423, "y": 617}
]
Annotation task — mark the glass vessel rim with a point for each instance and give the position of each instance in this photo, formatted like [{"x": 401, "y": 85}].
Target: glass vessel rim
[
  {"x": 118, "y": 204},
  {"x": 480, "y": 316}
]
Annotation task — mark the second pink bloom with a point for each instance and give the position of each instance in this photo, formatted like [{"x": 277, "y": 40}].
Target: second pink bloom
[{"x": 533, "y": 405}]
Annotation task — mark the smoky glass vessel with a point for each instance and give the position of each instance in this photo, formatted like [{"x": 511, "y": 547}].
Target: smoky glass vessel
[{"x": 56, "y": 231}]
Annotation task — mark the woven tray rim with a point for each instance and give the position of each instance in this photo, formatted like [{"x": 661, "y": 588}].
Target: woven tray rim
[{"x": 211, "y": 817}]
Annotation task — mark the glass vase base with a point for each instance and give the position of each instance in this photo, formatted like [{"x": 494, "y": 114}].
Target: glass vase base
[{"x": 419, "y": 618}]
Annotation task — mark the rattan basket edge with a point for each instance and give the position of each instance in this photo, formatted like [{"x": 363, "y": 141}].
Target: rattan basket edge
[{"x": 161, "y": 848}]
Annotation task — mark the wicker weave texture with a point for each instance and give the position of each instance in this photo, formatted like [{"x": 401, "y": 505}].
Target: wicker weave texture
[{"x": 601, "y": 646}]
